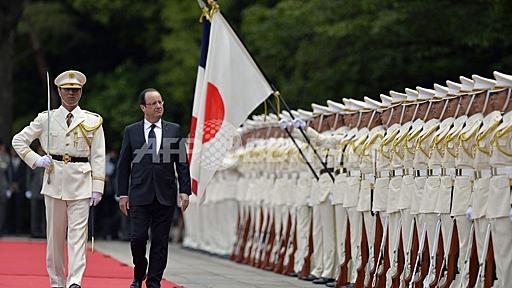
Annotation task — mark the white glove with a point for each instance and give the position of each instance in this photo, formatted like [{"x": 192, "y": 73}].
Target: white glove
[
  {"x": 510, "y": 214},
  {"x": 469, "y": 213},
  {"x": 95, "y": 199},
  {"x": 28, "y": 194},
  {"x": 43, "y": 162},
  {"x": 8, "y": 193},
  {"x": 283, "y": 123},
  {"x": 298, "y": 123}
]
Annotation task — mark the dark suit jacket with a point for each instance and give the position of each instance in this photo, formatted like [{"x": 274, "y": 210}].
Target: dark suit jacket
[{"x": 141, "y": 178}]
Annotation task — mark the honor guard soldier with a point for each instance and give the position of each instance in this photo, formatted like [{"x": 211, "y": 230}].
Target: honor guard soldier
[
  {"x": 75, "y": 173},
  {"x": 499, "y": 203}
]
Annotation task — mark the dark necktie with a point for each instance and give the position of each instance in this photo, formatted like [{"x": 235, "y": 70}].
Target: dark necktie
[
  {"x": 152, "y": 139},
  {"x": 69, "y": 119}
]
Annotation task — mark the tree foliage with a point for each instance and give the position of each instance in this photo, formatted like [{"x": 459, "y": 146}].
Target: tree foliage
[{"x": 311, "y": 50}]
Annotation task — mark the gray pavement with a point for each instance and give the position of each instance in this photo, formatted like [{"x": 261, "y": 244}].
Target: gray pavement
[{"x": 199, "y": 270}]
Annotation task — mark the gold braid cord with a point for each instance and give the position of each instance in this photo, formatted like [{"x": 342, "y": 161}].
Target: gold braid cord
[
  {"x": 84, "y": 129},
  {"x": 501, "y": 133}
]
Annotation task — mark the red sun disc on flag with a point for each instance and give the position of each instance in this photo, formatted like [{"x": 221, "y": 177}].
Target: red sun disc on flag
[{"x": 214, "y": 113}]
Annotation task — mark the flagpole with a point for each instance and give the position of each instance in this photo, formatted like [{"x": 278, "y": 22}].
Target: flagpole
[{"x": 294, "y": 142}]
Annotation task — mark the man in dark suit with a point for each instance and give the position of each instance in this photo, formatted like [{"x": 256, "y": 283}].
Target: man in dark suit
[{"x": 152, "y": 153}]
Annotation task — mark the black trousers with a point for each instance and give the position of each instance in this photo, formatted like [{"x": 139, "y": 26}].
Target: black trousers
[{"x": 158, "y": 218}]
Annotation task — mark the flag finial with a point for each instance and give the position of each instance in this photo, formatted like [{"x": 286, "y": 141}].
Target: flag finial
[{"x": 208, "y": 11}]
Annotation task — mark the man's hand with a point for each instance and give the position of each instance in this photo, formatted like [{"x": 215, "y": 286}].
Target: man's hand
[
  {"x": 95, "y": 199},
  {"x": 124, "y": 205},
  {"x": 184, "y": 201},
  {"x": 43, "y": 162}
]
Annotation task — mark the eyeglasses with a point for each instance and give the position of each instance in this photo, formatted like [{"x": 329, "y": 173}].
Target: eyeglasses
[{"x": 155, "y": 103}]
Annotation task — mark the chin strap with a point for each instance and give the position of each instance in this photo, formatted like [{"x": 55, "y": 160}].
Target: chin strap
[
  {"x": 371, "y": 119},
  {"x": 458, "y": 107},
  {"x": 444, "y": 109},
  {"x": 415, "y": 111},
  {"x": 335, "y": 121},
  {"x": 390, "y": 115},
  {"x": 428, "y": 111},
  {"x": 486, "y": 100},
  {"x": 507, "y": 101},
  {"x": 470, "y": 103},
  {"x": 320, "y": 122},
  {"x": 402, "y": 114},
  {"x": 359, "y": 119}
]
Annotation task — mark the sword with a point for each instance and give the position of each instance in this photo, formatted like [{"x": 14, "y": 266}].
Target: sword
[{"x": 50, "y": 168}]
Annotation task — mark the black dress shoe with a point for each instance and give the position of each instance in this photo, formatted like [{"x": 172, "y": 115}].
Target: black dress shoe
[
  {"x": 74, "y": 286},
  {"x": 323, "y": 280},
  {"x": 331, "y": 284},
  {"x": 310, "y": 277},
  {"x": 292, "y": 274},
  {"x": 136, "y": 284}
]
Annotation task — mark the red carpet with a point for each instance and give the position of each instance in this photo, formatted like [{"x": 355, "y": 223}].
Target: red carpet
[{"x": 22, "y": 264}]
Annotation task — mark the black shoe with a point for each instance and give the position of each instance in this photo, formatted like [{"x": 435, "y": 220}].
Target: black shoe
[
  {"x": 292, "y": 274},
  {"x": 310, "y": 277},
  {"x": 349, "y": 285},
  {"x": 136, "y": 284},
  {"x": 331, "y": 284},
  {"x": 323, "y": 280},
  {"x": 74, "y": 286}
]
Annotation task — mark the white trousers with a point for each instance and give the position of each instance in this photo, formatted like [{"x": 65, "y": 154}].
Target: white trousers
[
  {"x": 318, "y": 253},
  {"x": 66, "y": 220},
  {"x": 356, "y": 227},
  {"x": 303, "y": 226},
  {"x": 394, "y": 235},
  {"x": 501, "y": 229},
  {"x": 340, "y": 222}
]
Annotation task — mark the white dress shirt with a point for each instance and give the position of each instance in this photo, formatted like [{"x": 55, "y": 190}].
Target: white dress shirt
[{"x": 158, "y": 132}]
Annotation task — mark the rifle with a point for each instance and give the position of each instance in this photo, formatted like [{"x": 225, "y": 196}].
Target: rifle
[
  {"x": 433, "y": 275},
  {"x": 269, "y": 244},
  {"x": 292, "y": 249},
  {"x": 449, "y": 264},
  {"x": 398, "y": 256},
  {"x": 364, "y": 259},
  {"x": 468, "y": 254},
  {"x": 419, "y": 257},
  {"x": 410, "y": 253},
  {"x": 379, "y": 270},
  {"x": 481, "y": 279},
  {"x": 343, "y": 275},
  {"x": 245, "y": 234},
  {"x": 281, "y": 253},
  {"x": 257, "y": 236},
  {"x": 306, "y": 267},
  {"x": 239, "y": 224},
  {"x": 262, "y": 237},
  {"x": 250, "y": 235}
]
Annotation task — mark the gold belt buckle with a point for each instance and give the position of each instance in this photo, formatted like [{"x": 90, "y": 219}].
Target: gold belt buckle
[{"x": 66, "y": 158}]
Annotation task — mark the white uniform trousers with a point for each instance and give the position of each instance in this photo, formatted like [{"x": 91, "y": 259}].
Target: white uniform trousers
[
  {"x": 394, "y": 235},
  {"x": 328, "y": 239},
  {"x": 66, "y": 220},
  {"x": 278, "y": 226},
  {"x": 318, "y": 253},
  {"x": 293, "y": 227},
  {"x": 463, "y": 229},
  {"x": 501, "y": 229},
  {"x": 303, "y": 226},
  {"x": 370, "y": 224},
  {"x": 356, "y": 227},
  {"x": 340, "y": 222}
]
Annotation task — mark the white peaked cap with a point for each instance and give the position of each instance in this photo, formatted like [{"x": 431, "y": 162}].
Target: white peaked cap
[
  {"x": 441, "y": 91},
  {"x": 360, "y": 105},
  {"x": 482, "y": 83},
  {"x": 453, "y": 88},
  {"x": 397, "y": 96},
  {"x": 296, "y": 114},
  {"x": 257, "y": 117},
  {"x": 320, "y": 109},
  {"x": 412, "y": 95},
  {"x": 338, "y": 107},
  {"x": 305, "y": 115},
  {"x": 425, "y": 94},
  {"x": 502, "y": 79},
  {"x": 70, "y": 79},
  {"x": 285, "y": 114},
  {"x": 386, "y": 100},
  {"x": 373, "y": 104},
  {"x": 272, "y": 116},
  {"x": 467, "y": 84}
]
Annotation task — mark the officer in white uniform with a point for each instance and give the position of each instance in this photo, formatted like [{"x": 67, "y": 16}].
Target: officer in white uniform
[{"x": 74, "y": 177}]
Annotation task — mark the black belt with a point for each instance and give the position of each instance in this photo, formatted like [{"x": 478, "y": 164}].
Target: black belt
[
  {"x": 325, "y": 170},
  {"x": 66, "y": 158}
]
